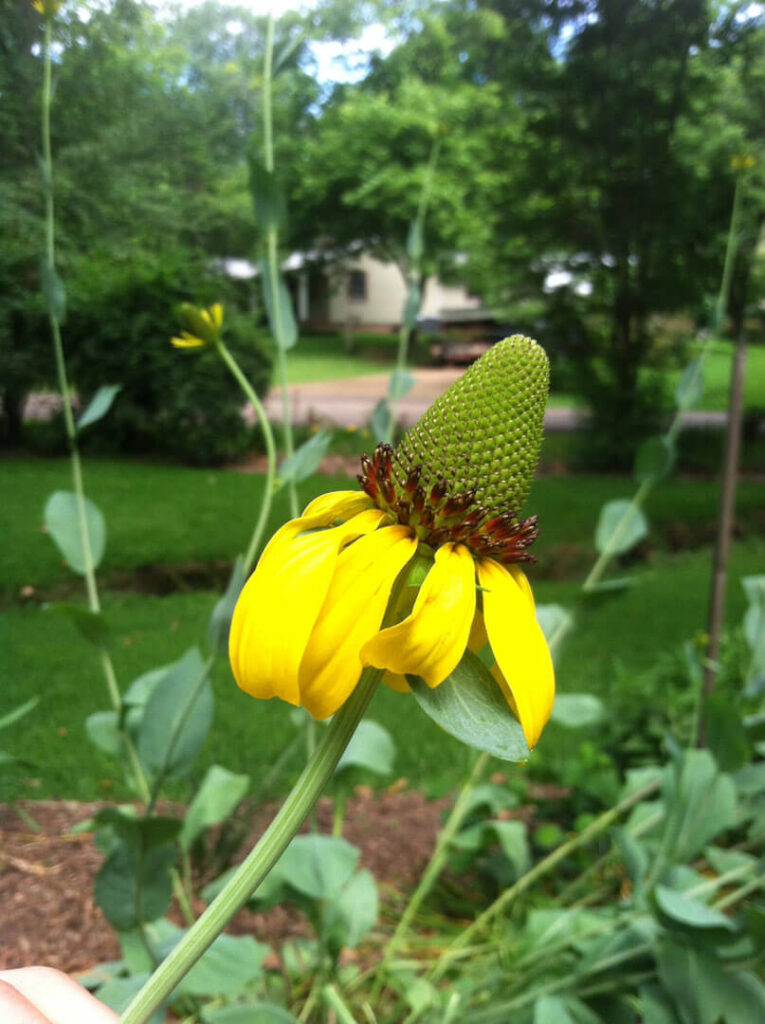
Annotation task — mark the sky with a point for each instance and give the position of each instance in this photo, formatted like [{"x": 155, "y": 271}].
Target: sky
[{"x": 336, "y": 61}]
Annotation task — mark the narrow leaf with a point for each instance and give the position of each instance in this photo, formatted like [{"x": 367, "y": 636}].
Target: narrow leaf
[
  {"x": 690, "y": 387},
  {"x": 53, "y": 290},
  {"x": 99, "y": 405}
]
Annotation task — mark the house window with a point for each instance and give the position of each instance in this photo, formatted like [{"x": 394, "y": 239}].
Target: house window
[{"x": 357, "y": 286}]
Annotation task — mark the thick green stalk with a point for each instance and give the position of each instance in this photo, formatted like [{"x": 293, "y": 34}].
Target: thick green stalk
[
  {"x": 260, "y": 412},
  {"x": 272, "y": 256},
  {"x": 413, "y": 281},
  {"x": 261, "y": 859}
]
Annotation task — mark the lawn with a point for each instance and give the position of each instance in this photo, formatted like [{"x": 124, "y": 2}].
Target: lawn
[
  {"x": 171, "y": 515},
  {"x": 162, "y": 514},
  {"x": 42, "y": 654}
]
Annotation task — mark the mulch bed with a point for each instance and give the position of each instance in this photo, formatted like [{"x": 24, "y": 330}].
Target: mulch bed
[{"x": 46, "y": 877}]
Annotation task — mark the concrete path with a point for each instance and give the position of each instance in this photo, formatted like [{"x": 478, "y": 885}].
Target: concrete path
[{"x": 351, "y": 402}]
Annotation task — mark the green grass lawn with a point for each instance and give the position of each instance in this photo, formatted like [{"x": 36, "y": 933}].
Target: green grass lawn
[
  {"x": 43, "y": 655},
  {"x": 168, "y": 514}
]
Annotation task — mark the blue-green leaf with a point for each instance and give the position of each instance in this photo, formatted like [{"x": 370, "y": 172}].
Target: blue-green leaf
[
  {"x": 370, "y": 748},
  {"x": 655, "y": 459},
  {"x": 53, "y": 290},
  {"x": 621, "y": 526},
  {"x": 99, "y": 405},
  {"x": 220, "y": 619},
  {"x": 217, "y": 797},
  {"x": 63, "y": 524},
  {"x": 281, "y": 317},
  {"x": 690, "y": 387},
  {"x": 469, "y": 706},
  {"x": 577, "y": 710},
  {"x": 307, "y": 458}
]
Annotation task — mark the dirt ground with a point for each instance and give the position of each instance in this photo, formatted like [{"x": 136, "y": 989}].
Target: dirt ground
[{"x": 46, "y": 877}]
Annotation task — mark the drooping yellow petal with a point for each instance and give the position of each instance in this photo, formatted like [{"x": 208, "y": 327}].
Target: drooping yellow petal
[
  {"x": 431, "y": 641},
  {"x": 352, "y": 612},
  {"x": 216, "y": 311},
  {"x": 278, "y": 606},
  {"x": 478, "y": 638},
  {"x": 186, "y": 340},
  {"x": 518, "y": 645},
  {"x": 338, "y": 505},
  {"x": 520, "y": 578},
  {"x": 395, "y": 682}
]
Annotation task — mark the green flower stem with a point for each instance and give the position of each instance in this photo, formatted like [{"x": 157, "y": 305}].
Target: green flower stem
[
  {"x": 272, "y": 255},
  {"x": 432, "y": 871},
  {"x": 262, "y": 858},
  {"x": 334, "y": 1001},
  {"x": 600, "y": 824},
  {"x": 260, "y": 412},
  {"x": 413, "y": 277}
]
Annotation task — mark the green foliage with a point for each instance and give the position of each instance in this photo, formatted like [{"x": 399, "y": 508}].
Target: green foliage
[{"x": 121, "y": 319}]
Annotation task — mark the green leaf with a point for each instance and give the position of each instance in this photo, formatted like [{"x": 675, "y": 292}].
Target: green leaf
[
  {"x": 267, "y": 197},
  {"x": 380, "y": 422},
  {"x": 62, "y": 522},
  {"x": 307, "y": 458},
  {"x": 217, "y": 798},
  {"x": 118, "y": 993},
  {"x": 469, "y": 705},
  {"x": 690, "y": 387},
  {"x": 281, "y": 317},
  {"x": 555, "y": 622},
  {"x": 750, "y": 780},
  {"x": 92, "y": 625},
  {"x": 134, "y": 885},
  {"x": 411, "y": 306},
  {"x": 577, "y": 710},
  {"x": 689, "y": 912},
  {"x": 220, "y": 619},
  {"x": 230, "y": 964},
  {"x": 655, "y": 1006},
  {"x": 354, "y": 913},
  {"x": 551, "y": 1010},
  {"x": 621, "y": 526},
  {"x": 179, "y": 709},
  {"x": 514, "y": 843},
  {"x": 103, "y": 729},
  {"x": 655, "y": 459},
  {"x": 633, "y": 854},
  {"x": 318, "y": 866},
  {"x": 99, "y": 405},
  {"x": 401, "y": 383},
  {"x": 249, "y": 1013},
  {"x": 725, "y": 732},
  {"x": 371, "y": 748},
  {"x": 142, "y": 687},
  {"x": 139, "y": 833},
  {"x": 53, "y": 290},
  {"x": 700, "y": 803},
  {"x": 703, "y": 992},
  {"x": 23, "y": 709}
]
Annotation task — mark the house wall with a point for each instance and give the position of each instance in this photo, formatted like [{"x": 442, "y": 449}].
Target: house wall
[{"x": 385, "y": 295}]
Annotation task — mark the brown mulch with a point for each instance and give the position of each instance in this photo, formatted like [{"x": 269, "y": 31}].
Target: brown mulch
[{"x": 46, "y": 877}]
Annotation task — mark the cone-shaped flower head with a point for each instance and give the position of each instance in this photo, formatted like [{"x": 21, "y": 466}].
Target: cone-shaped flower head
[{"x": 419, "y": 566}]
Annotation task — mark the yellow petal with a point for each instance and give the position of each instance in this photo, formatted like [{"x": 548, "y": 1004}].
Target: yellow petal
[
  {"x": 518, "y": 645},
  {"x": 352, "y": 612},
  {"x": 431, "y": 641},
  {"x": 520, "y": 578},
  {"x": 397, "y": 683},
  {"x": 186, "y": 340},
  {"x": 278, "y": 606},
  {"x": 338, "y": 505},
  {"x": 478, "y": 638},
  {"x": 216, "y": 312}
]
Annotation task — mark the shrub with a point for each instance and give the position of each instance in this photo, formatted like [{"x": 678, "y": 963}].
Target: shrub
[{"x": 185, "y": 404}]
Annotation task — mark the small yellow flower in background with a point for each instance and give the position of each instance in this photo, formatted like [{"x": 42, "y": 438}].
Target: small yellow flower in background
[
  {"x": 417, "y": 567},
  {"x": 743, "y": 162},
  {"x": 48, "y": 8},
  {"x": 203, "y": 326}
]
